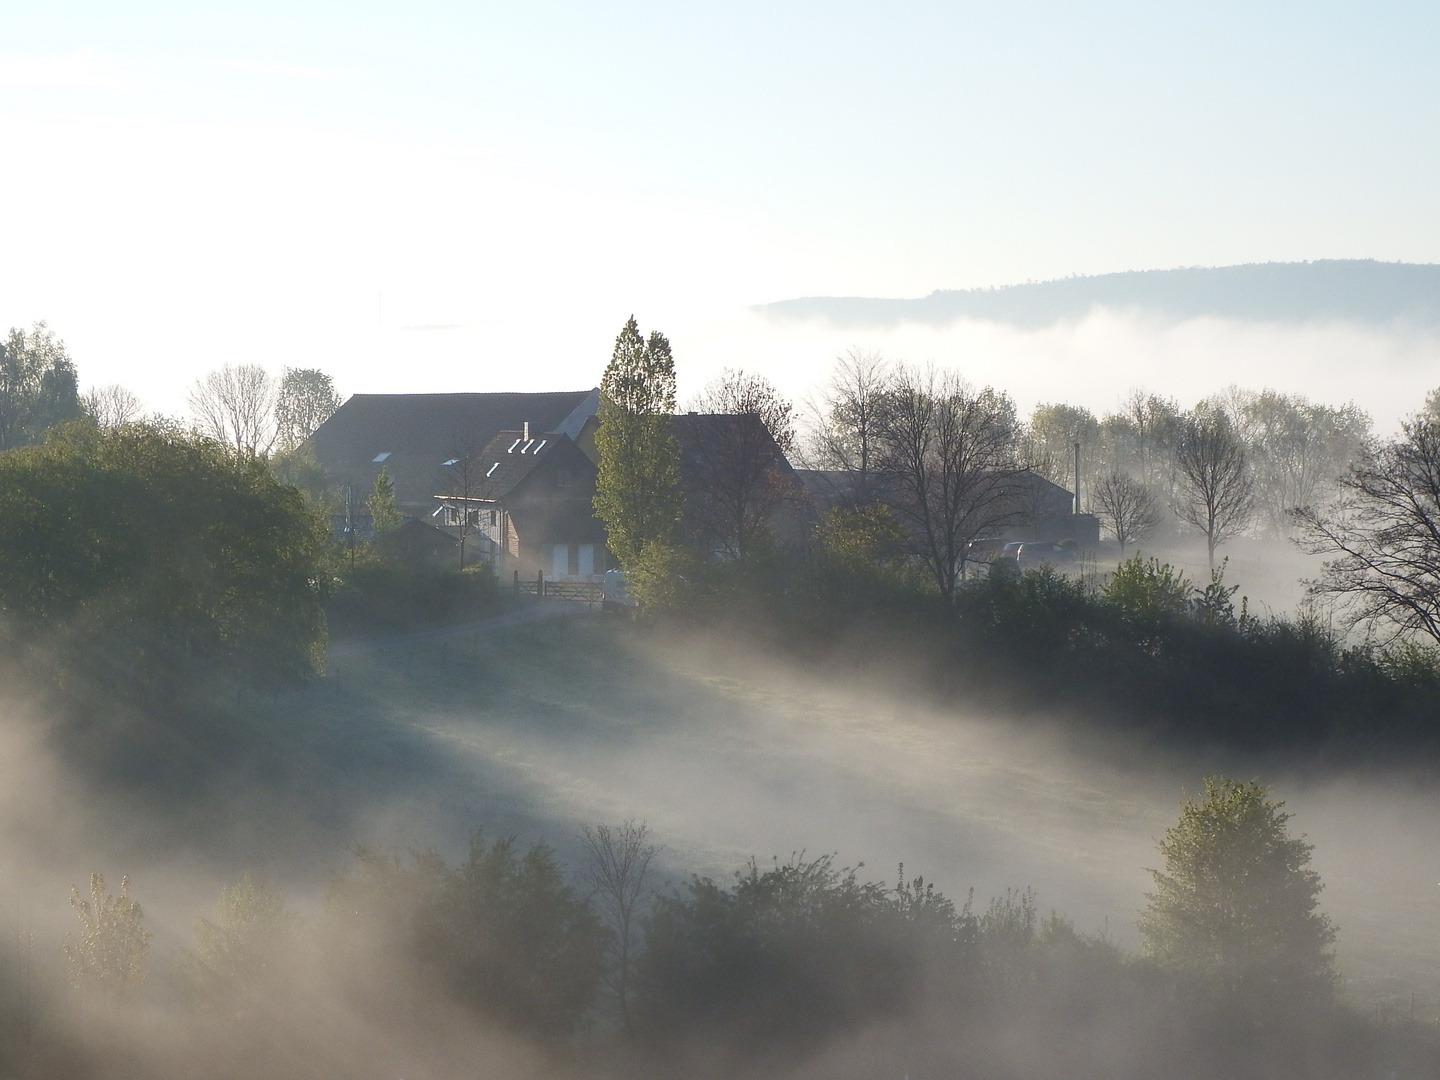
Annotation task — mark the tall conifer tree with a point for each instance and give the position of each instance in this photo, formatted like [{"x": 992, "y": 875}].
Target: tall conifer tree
[{"x": 638, "y": 487}]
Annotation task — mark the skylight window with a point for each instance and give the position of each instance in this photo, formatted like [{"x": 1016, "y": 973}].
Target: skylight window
[
  {"x": 452, "y": 461},
  {"x": 382, "y": 457}
]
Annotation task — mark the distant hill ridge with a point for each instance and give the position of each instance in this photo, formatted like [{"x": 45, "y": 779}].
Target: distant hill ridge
[{"x": 1353, "y": 290}]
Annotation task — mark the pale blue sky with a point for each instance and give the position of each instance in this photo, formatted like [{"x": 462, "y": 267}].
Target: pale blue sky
[{"x": 290, "y": 178}]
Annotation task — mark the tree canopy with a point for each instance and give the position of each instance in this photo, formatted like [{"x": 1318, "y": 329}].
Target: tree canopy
[
  {"x": 1236, "y": 903},
  {"x": 38, "y": 385},
  {"x": 638, "y": 482},
  {"x": 305, "y": 400},
  {"x": 154, "y": 547}
]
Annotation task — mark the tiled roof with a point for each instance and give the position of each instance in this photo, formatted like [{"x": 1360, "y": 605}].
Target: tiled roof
[
  {"x": 507, "y": 460},
  {"x": 413, "y": 435}
]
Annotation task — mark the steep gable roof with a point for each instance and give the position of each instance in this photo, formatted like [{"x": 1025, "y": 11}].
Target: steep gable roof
[
  {"x": 413, "y": 435},
  {"x": 511, "y": 457}
]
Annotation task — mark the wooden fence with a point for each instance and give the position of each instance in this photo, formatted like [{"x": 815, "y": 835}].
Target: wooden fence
[{"x": 586, "y": 592}]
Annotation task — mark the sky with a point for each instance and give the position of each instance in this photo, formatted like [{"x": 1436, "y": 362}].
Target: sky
[{"x": 447, "y": 196}]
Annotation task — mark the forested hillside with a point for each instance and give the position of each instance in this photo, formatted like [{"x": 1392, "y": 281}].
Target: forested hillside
[{"x": 1354, "y": 290}]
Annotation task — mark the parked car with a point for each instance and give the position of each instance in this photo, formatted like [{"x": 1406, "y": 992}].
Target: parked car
[
  {"x": 1033, "y": 554},
  {"x": 616, "y": 594},
  {"x": 984, "y": 549}
]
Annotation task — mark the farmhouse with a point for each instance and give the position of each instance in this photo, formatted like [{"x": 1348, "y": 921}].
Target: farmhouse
[
  {"x": 419, "y": 439},
  {"x": 526, "y": 504}
]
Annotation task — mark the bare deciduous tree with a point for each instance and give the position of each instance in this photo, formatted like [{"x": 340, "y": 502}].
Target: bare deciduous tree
[
  {"x": 460, "y": 479},
  {"x": 1213, "y": 491},
  {"x": 1127, "y": 508},
  {"x": 617, "y": 864},
  {"x": 111, "y": 406},
  {"x": 1385, "y": 534},
  {"x": 846, "y": 422},
  {"x": 948, "y": 457},
  {"x": 236, "y": 406},
  {"x": 735, "y": 454}
]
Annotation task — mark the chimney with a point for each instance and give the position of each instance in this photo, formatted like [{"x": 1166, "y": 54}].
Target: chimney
[{"x": 527, "y": 430}]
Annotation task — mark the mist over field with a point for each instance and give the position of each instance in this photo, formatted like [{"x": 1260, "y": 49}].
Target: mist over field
[
  {"x": 983, "y": 621},
  {"x": 724, "y": 751}
]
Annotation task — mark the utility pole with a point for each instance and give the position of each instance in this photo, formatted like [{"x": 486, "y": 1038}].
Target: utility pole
[{"x": 1077, "y": 478}]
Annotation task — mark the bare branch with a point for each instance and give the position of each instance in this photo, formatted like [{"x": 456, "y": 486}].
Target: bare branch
[{"x": 617, "y": 865}]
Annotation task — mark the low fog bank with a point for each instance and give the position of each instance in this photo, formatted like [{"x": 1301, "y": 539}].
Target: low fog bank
[
  {"x": 1095, "y": 360},
  {"x": 727, "y": 752}
]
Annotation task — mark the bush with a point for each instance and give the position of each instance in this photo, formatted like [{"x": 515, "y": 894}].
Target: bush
[
  {"x": 378, "y": 597},
  {"x": 784, "y": 957},
  {"x": 501, "y": 934}
]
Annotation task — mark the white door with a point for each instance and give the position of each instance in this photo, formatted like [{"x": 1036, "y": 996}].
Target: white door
[
  {"x": 559, "y": 560},
  {"x": 587, "y": 560}
]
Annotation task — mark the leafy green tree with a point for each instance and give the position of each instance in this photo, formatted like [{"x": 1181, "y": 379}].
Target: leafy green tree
[
  {"x": 38, "y": 385},
  {"x": 305, "y": 400},
  {"x": 1050, "y": 440},
  {"x": 786, "y": 955},
  {"x": 1147, "y": 589},
  {"x": 638, "y": 484},
  {"x": 1297, "y": 450},
  {"x": 113, "y": 946},
  {"x": 146, "y": 549},
  {"x": 516, "y": 941},
  {"x": 1235, "y": 906},
  {"x": 250, "y": 935},
  {"x": 861, "y": 541},
  {"x": 384, "y": 515},
  {"x": 503, "y": 933}
]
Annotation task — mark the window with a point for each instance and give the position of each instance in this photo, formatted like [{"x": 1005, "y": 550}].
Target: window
[
  {"x": 473, "y": 517},
  {"x": 494, "y": 516},
  {"x": 381, "y": 457}
]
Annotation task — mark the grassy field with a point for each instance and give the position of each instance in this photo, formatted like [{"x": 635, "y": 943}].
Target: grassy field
[{"x": 532, "y": 730}]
